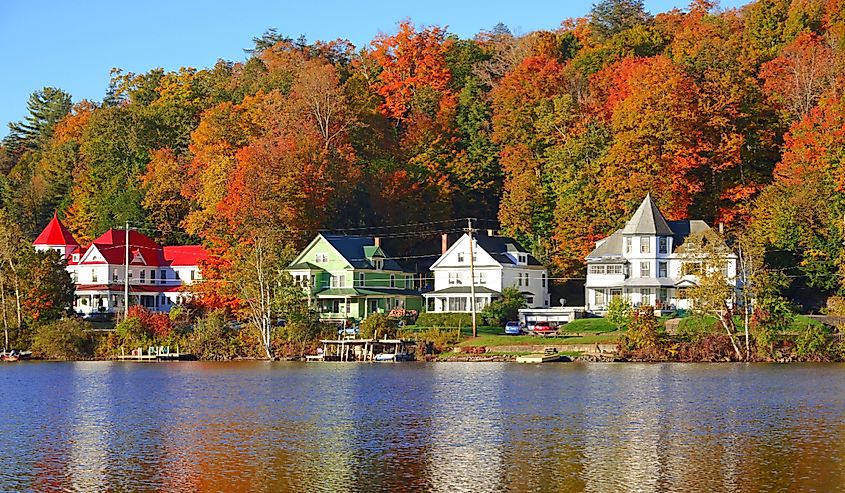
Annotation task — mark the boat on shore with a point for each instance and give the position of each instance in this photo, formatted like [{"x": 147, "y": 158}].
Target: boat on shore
[{"x": 15, "y": 355}]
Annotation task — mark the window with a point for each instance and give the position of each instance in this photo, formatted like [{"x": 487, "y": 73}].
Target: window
[
  {"x": 455, "y": 278},
  {"x": 361, "y": 282},
  {"x": 645, "y": 269},
  {"x": 543, "y": 280},
  {"x": 152, "y": 277},
  {"x": 338, "y": 281},
  {"x": 663, "y": 294},
  {"x": 663, "y": 245},
  {"x": 378, "y": 263},
  {"x": 600, "y": 299},
  {"x": 597, "y": 269},
  {"x": 481, "y": 278},
  {"x": 628, "y": 242},
  {"x": 645, "y": 296},
  {"x": 192, "y": 275},
  {"x": 74, "y": 276},
  {"x": 522, "y": 279},
  {"x": 614, "y": 269},
  {"x": 331, "y": 306},
  {"x": 645, "y": 245},
  {"x": 144, "y": 276},
  {"x": 321, "y": 258},
  {"x": 114, "y": 275},
  {"x": 93, "y": 275},
  {"x": 392, "y": 280},
  {"x": 523, "y": 258},
  {"x": 460, "y": 256},
  {"x": 529, "y": 300},
  {"x": 163, "y": 276},
  {"x": 457, "y": 304},
  {"x": 662, "y": 270}
]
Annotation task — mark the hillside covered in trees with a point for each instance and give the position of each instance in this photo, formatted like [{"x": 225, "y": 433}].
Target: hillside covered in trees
[{"x": 733, "y": 116}]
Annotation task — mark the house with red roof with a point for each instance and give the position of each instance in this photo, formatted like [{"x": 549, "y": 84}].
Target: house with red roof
[{"x": 158, "y": 276}]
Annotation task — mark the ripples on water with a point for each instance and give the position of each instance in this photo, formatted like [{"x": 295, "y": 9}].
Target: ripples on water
[{"x": 433, "y": 427}]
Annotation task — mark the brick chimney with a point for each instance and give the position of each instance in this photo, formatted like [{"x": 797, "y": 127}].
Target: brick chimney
[
  {"x": 444, "y": 243},
  {"x": 377, "y": 242}
]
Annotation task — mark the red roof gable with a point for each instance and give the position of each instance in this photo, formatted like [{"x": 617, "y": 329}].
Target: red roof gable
[
  {"x": 184, "y": 255},
  {"x": 112, "y": 246},
  {"x": 55, "y": 234}
]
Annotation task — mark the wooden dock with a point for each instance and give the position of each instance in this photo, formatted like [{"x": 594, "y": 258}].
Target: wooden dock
[{"x": 153, "y": 353}]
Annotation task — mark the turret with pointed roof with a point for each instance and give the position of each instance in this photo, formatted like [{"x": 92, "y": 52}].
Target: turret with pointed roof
[
  {"x": 647, "y": 220},
  {"x": 56, "y": 236}
]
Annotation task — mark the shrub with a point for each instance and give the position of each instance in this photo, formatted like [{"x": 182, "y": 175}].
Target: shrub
[
  {"x": 813, "y": 344},
  {"x": 619, "y": 312},
  {"x": 504, "y": 309},
  {"x": 435, "y": 340},
  {"x": 214, "y": 339},
  {"x": 378, "y": 326},
  {"x": 66, "y": 339},
  {"x": 642, "y": 339}
]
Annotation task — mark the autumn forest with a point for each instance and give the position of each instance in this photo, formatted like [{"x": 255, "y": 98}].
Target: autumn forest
[{"x": 554, "y": 137}]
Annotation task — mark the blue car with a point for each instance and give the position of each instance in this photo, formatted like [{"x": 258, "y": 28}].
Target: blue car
[{"x": 512, "y": 328}]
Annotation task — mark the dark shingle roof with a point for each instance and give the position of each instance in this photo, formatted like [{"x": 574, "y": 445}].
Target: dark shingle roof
[
  {"x": 647, "y": 220},
  {"x": 499, "y": 246},
  {"x": 678, "y": 230},
  {"x": 353, "y": 249}
]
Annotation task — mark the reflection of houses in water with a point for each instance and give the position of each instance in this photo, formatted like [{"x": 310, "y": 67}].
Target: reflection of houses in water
[
  {"x": 466, "y": 431},
  {"x": 90, "y": 428}
]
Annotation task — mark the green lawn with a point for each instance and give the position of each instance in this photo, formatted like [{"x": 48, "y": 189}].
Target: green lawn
[{"x": 799, "y": 323}]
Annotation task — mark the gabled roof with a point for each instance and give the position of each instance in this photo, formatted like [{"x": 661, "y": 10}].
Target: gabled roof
[
  {"x": 184, "y": 255},
  {"x": 358, "y": 251},
  {"x": 499, "y": 246},
  {"x": 504, "y": 250},
  {"x": 55, "y": 233},
  {"x": 111, "y": 245},
  {"x": 647, "y": 220}
]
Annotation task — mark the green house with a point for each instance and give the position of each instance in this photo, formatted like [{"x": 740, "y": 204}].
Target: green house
[{"x": 350, "y": 277}]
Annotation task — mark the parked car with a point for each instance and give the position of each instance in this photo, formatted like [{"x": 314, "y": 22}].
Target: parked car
[
  {"x": 513, "y": 328},
  {"x": 544, "y": 329}
]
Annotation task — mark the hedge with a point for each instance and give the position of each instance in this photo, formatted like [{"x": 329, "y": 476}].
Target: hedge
[{"x": 445, "y": 319}]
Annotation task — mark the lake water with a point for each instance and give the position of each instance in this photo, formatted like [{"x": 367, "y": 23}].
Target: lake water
[{"x": 424, "y": 427}]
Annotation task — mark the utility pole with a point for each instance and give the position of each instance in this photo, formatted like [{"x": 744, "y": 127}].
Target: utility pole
[
  {"x": 472, "y": 277},
  {"x": 126, "y": 275}
]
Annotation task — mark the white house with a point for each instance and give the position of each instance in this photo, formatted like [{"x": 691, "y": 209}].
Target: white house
[
  {"x": 500, "y": 262},
  {"x": 645, "y": 262},
  {"x": 158, "y": 276}
]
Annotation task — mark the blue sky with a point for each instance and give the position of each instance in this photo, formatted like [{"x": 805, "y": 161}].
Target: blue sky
[{"x": 73, "y": 44}]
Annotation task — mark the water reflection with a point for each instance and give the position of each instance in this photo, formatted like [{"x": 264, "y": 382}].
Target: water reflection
[{"x": 433, "y": 427}]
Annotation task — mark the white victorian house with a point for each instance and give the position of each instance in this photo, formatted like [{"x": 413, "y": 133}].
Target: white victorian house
[
  {"x": 158, "y": 277},
  {"x": 499, "y": 262},
  {"x": 645, "y": 262}
]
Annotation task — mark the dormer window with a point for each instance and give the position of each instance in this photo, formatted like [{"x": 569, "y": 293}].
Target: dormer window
[
  {"x": 378, "y": 263},
  {"x": 523, "y": 258},
  {"x": 75, "y": 257}
]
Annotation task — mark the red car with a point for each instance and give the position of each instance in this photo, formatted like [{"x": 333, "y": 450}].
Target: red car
[{"x": 544, "y": 329}]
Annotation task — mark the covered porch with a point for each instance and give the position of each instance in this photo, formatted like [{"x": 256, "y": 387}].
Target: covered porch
[
  {"x": 458, "y": 299},
  {"x": 340, "y": 304}
]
